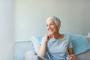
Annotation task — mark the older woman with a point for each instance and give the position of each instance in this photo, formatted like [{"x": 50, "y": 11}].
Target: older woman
[{"x": 55, "y": 46}]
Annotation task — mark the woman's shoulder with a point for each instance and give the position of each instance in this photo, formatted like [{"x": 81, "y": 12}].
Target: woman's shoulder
[{"x": 66, "y": 37}]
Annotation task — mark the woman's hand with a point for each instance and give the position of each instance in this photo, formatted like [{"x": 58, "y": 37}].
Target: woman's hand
[
  {"x": 46, "y": 38},
  {"x": 71, "y": 54},
  {"x": 73, "y": 57}
]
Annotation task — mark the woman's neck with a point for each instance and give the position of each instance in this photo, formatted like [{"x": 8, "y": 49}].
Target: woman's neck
[{"x": 56, "y": 35}]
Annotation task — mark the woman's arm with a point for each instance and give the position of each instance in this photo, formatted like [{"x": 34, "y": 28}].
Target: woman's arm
[
  {"x": 70, "y": 51},
  {"x": 71, "y": 54},
  {"x": 42, "y": 50},
  {"x": 43, "y": 47}
]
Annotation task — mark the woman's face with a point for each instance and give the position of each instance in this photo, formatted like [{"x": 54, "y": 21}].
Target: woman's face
[{"x": 52, "y": 27}]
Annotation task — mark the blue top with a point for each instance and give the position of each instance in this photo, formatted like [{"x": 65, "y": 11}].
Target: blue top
[
  {"x": 80, "y": 44},
  {"x": 57, "y": 48}
]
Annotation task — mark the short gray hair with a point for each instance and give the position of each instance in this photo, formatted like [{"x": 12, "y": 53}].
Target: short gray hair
[{"x": 54, "y": 19}]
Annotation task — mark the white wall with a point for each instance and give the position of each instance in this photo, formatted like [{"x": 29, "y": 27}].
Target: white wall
[
  {"x": 6, "y": 30},
  {"x": 30, "y": 16},
  {"x": 87, "y": 18}
]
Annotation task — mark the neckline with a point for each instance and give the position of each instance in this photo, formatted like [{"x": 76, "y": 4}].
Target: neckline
[{"x": 59, "y": 38}]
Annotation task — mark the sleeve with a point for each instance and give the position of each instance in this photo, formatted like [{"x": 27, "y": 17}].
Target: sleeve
[{"x": 69, "y": 42}]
